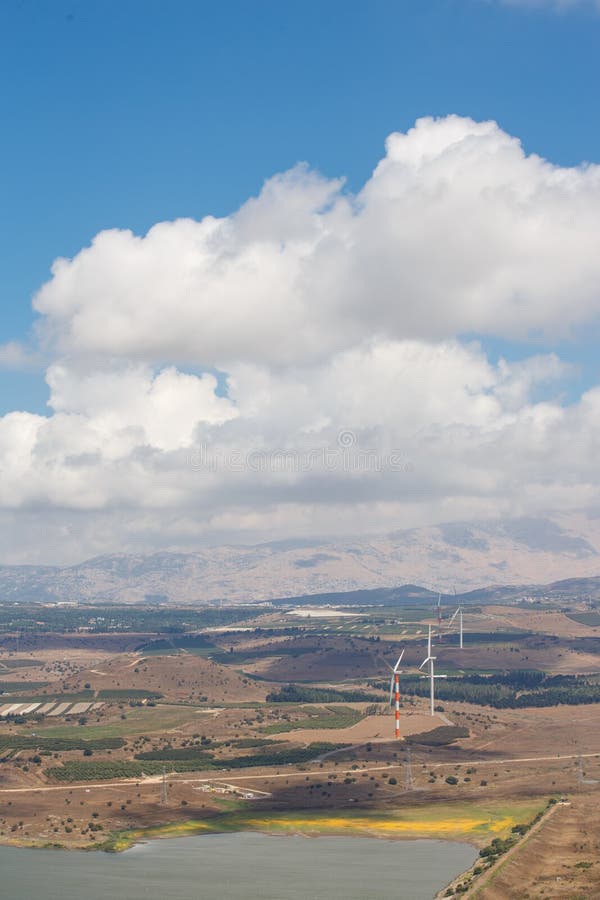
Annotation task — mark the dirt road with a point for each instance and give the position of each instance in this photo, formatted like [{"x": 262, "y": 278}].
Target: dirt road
[{"x": 154, "y": 779}]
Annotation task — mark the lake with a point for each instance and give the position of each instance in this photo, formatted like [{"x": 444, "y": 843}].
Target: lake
[{"x": 242, "y": 866}]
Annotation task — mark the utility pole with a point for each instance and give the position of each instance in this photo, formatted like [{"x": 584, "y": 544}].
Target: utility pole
[
  {"x": 163, "y": 793},
  {"x": 409, "y": 781}
]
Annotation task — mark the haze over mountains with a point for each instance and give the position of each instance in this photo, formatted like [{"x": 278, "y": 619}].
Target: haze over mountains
[{"x": 461, "y": 555}]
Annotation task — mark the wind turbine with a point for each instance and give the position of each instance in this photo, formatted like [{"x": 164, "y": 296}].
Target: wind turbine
[
  {"x": 439, "y": 614},
  {"x": 458, "y": 613},
  {"x": 395, "y": 694},
  {"x": 432, "y": 676}
]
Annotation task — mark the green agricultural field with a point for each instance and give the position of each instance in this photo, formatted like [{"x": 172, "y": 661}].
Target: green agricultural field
[
  {"x": 11, "y": 662},
  {"x": 127, "y": 694},
  {"x": 22, "y": 742},
  {"x": 104, "y": 769},
  {"x": 140, "y": 720},
  {"x": 407, "y": 628},
  {"x": 80, "y": 697},
  {"x": 18, "y": 687},
  {"x": 586, "y": 618},
  {"x": 295, "y": 693},
  {"x": 317, "y": 718},
  {"x": 31, "y": 618},
  {"x": 197, "y": 644},
  {"x": 184, "y": 760}
]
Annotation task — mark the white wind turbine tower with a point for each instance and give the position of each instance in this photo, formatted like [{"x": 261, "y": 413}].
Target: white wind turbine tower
[
  {"x": 432, "y": 676},
  {"x": 458, "y": 613},
  {"x": 395, "y": 694}
]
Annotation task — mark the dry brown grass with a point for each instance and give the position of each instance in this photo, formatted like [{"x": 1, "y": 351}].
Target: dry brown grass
[
  {"x": 559, "y": 861},
  {"x": 177, "y": 677},
  {"x": 540, "y": 621}
]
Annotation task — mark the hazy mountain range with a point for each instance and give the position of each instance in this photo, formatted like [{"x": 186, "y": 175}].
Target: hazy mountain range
[{"x": 465, "y": 556}]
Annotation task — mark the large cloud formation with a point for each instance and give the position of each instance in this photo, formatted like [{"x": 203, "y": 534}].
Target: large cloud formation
[
  {"x": 456, "y": 231},
  {"x": 314, "y": 362}
]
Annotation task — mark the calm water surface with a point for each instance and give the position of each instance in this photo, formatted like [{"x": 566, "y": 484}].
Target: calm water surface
[{"x": 241, "y": 866}]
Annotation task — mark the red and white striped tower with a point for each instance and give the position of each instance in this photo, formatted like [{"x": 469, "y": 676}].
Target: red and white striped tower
[{"x": 395, "y": 694}]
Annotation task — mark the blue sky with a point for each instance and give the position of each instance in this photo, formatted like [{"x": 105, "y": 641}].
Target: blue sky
[{"x": 125, "y": 114}]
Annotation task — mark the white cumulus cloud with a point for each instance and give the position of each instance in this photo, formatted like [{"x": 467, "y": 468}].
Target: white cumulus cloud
[
  {"x": 314, "y": 363},
  {"x": 457, "y": 230}
]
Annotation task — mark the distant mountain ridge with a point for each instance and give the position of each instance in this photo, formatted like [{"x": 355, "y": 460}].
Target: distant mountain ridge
[
  {"x": 460, "y": 555},
  {"x": 411, "y": 594}
]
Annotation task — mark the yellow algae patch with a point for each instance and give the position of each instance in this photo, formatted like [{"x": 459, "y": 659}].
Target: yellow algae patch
[
  {"x": 461, "y": 821},
  {"x": 122, "y": 840},
  {"x": 502, "y": 824},
  {"x": 391, "y": 827},
  {"x": 178, "y": 829}
]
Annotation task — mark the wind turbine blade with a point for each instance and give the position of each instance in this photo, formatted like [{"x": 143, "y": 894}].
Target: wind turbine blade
[
  {"x": 453, "y": 617},
  {"x": 391, "y": 690},
  {"x": 425, "y": 661},
  {"x": 399, "y": 661}
]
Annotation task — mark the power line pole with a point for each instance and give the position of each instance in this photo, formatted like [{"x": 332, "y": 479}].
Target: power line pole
[
  {"x": 163, "y": 793},
  {"x": 409, "y": 781}
]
